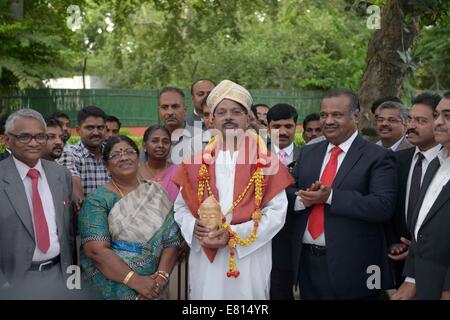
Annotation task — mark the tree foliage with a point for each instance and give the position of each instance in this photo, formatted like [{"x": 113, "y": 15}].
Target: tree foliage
[{"x": 35, "y": 44}]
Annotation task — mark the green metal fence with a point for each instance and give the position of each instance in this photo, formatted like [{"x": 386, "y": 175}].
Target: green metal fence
[{"x": 138, "y": 108}]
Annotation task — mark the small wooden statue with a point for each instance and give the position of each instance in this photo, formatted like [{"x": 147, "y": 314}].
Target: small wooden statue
[{"x": 210, "y": 213}]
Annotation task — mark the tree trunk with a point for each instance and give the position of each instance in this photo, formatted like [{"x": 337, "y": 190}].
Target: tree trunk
[{"x": 385, "y": 71}]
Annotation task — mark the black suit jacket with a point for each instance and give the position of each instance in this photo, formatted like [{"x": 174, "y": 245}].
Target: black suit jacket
[
  {"x": 428, "y": 260},
  {"x": 281, "y": 275},
  {"x": 364, "y": 196},
  {"x": 397, "y": 226},
  {"x": 281, "y": 252}
]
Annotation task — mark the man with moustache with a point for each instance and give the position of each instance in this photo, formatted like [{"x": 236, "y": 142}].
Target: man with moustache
[
  {"x": 35, "y": 214},
  {"x": 345, "y": 191},
  {"x": 282, "y": 119},
  {"x": 112, "y": 127},
  {"x": 261, "y": 114},
  {"x": 311, "y": 127},
  {"x": 427, "y": 267},
  {"x": 199, "y": 91},
  {"x": 55, "y": 145},
  {"x": 5, "y": 154},
  {"x": 233, "y": 261},
  {"x": 391, "y": 125},
  {"x": 84, "y": 159},
  {"x": 172, "y": 112},
  {"x": 412, "y": 164},
  {"x": 65, "y": 123}
]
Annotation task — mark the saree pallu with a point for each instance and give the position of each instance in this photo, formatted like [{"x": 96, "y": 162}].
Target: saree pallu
[{"x": 139, "y": 227}]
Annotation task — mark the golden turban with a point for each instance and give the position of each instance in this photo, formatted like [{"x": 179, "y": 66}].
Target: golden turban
[{"x": 227, "y": 89}]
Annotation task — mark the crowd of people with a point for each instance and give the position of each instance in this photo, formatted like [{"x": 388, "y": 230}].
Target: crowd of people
[{"x": 351, "y": 214}]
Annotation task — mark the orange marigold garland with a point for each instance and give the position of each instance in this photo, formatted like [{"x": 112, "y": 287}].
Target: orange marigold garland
[{"x": 257, "y": 179}]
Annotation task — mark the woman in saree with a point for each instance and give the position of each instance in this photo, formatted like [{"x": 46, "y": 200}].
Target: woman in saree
[
  {"x": 156, "y": 144},
  {"x": 129, "y": 237}
]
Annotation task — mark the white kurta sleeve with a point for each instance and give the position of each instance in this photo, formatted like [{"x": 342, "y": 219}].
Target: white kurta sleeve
[
  {"x": 186, "y": 221},
  {"x": 273, "y": 216}
]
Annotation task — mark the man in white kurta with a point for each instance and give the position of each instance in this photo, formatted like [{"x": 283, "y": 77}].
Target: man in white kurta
[
  {"x": 225, "y": 164},
  {"x": 208, "y": 280}
]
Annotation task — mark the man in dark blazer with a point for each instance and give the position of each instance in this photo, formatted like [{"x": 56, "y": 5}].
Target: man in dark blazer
[
  {"x": 345, "y": 191},
  {"x": 427, "y": 267},
  {"x": 282, "y": 120},
  {"x": 35, "y": 217},
  {"x": 5, "y": 154},
  {"x": 412, "y": 164}
]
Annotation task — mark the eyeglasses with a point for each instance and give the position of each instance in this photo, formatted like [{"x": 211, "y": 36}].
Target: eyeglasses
[
  {"x": 126, "y": 153},
  {"x": 26, "y": 137},
  {"x": 389, "y": 120},
  {"x": 420, "y": 121},
  {"x": 235, "y": 113}
]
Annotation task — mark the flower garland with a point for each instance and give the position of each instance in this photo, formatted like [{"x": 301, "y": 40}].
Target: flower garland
[{"x": 257, "y": 179}]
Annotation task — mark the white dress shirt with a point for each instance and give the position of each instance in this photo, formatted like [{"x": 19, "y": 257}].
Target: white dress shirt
[
  {"x": 289, "y": 152},
  {"x": 394, "y": 147},
  {"x": 345, "y": 146},
  {"x": 440, "y": 179},
  {"x": 429, "y": 155},
  {"x": 47, "y": 203}
]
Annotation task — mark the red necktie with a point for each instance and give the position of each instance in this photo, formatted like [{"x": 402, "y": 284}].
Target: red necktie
[
  {"x": 40, "y": 224},
  {"x": 315, "y": 222}
]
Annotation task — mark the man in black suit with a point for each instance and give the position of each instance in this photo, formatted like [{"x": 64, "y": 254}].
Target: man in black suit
[
  {"x": 412, "y": 164},
  {"x": 282, "y": 119},
  {"x": 427, "y": 267},
  {"x": 345, "y": 190},
  {"x": 5, "y": 154}
]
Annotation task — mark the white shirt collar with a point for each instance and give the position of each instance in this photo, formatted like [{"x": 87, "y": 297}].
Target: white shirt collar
[
  {"x": 289, "y": 149},
  {"x": 394, "y": 147},
  {"x": 443, "y": 156},
  {"x": 344, "y": 145},
  {"x": 430, "y": 154},
  {"x": 23, "y": 168}
]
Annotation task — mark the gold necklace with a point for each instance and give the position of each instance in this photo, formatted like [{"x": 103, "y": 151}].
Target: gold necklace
[{"x": 120, "y": 190}]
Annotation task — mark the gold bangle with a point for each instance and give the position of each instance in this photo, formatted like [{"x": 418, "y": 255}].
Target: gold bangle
[
  {"x": 128, "y": 277},
  {"x": 162, "y": 276}
]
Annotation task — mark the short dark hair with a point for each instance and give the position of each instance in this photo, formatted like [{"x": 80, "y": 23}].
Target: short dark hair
[
  {"x": 90, "y": 111},
  {"x": 446, "y": 95},
  {"x": 194, "y": 83},
  {"x": 282, "y": 111},
  {"x": 3, "y": 119},
  {"x": 115, "y": 140},
  {"x": 354, "y": 101},
  {"x": 310, "y": 117},
  {"x": 261, "y": 105},
  {"x": 170, "y": 89},
  {"x": 148, "y": 132},
  {"x": 427, "y": 98},
  {"x": 59, "y": 114},
  {"x": 53, "y": 122},
  {"x": 110, "y": 118},
  {"x": 379, "y": 101}
]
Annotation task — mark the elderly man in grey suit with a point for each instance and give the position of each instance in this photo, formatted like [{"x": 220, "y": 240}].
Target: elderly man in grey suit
[{"x": 35, "y": 215}]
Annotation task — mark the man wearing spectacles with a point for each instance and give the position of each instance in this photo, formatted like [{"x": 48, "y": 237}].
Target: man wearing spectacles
[
  {"x": 35, "y": 212},
  {"x": 391, "y": 125}
]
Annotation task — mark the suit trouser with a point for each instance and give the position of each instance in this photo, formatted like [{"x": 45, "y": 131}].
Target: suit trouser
[
  {"x": 46, "y": 284},
  {"x": 281, "y": 284},
  {"x": 314, "y": 277}
]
